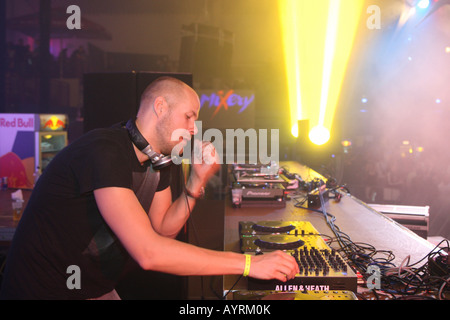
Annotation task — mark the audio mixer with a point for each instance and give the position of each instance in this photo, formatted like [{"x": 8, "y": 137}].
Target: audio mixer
[{"x": 321, "y": 268}]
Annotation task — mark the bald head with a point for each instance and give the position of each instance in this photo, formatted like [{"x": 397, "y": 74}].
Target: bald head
[
  {"x": 171, "y": 89},
  {"x": 167, "y": 105}
]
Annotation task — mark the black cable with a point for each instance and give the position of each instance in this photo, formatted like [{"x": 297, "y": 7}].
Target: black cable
[
  {"x": 360, "y": 256},
  {"x": 191, "y": 220},
  {"x": 224, "y": 297}
]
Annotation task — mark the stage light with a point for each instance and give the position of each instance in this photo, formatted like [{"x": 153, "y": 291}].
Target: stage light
[
  {"x": 294, "y": 130},
  {"x": 346, "y": 143},
  {"x": 319, "y": 135},
  {"x": 447, "y": 49},
  {"x": 364, "y": 100},
  {"x": 423, "y": 4},
  {"x": 318, "y": 38}
]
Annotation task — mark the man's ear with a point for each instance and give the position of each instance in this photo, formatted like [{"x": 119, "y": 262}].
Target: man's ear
[{"x": 159, "y": 106}]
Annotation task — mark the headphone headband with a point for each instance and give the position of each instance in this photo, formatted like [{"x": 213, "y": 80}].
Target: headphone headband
[{"x": 158, "y": 160}]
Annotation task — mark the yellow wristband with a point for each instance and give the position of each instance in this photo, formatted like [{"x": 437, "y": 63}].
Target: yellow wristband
[{"x": 248, "y": 260}]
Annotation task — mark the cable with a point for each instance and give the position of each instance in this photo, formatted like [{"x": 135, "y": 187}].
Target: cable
[
  {"x": 404, "y": 282},
  {"x": 224, "y": 297},
  {"x": 441, "y": 289},
  {"x": 191, "y": 220}
]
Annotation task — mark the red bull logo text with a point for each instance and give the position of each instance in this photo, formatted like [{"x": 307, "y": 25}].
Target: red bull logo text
[
  {"x": 222, "y": 100},
  {"x": 17, "y": 123}
]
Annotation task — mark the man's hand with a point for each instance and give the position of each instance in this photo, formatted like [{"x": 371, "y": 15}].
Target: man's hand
[
  {"x": 274, "y": 265},
  {"x": 205, "y": 163}
]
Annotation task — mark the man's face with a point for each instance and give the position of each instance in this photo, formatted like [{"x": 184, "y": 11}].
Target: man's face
[{"x": 179, "y": 115}]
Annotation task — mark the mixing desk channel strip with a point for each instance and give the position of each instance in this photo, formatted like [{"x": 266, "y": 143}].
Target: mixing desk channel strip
[{"x": 321, "y": 268}]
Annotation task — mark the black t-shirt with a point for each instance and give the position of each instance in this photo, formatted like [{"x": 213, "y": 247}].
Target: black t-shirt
[{"x": 62, "y": 226}]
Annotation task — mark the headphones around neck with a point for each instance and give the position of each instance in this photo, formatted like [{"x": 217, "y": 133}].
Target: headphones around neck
[{"x": 158, "y": 160}]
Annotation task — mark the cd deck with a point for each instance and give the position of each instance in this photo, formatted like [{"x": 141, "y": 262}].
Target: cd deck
[{"x": 276, "y": 227}]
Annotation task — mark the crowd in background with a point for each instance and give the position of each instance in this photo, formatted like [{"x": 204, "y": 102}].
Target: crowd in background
[
  {"x": 23, "y": 72},
  {"x": 402, "y": 176},
  {"x": 23, "y": 61}
]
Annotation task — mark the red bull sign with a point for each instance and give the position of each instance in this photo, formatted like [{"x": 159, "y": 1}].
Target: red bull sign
[
  {"x": 17, "y": 121},
  {"x": 21, "y": 150},
  {"x": 51, "y": 122}
]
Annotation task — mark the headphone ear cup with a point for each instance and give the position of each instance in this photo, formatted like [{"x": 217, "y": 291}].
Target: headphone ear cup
[
  {"x": 158, "y": 160},
  {"x": 163, "y": 162}
]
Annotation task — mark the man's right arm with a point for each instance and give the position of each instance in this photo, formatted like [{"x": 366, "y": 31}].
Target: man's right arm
[{"x": 128, "y": 220}]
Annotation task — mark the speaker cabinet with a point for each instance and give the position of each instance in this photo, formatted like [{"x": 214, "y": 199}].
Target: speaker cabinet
[
  {"x": 110, "y": 98},
  {"x": 206, "y": 51}
]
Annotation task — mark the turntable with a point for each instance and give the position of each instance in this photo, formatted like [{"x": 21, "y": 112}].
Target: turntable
[
  {"x": 267, "y": 243},
  {"x": 276, "y": 227}
]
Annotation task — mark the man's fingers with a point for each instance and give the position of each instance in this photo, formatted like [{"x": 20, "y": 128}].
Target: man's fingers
[
  {"x": 281, "y": 276},
  {"x": 278, "y": 265},
  {"x": 209, "y": 153},
  {"x": 290, "y": 269},
  {"x": 205, "y": 152}
]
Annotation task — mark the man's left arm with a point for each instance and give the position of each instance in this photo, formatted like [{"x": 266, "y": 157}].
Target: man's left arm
[{"x": 168, "y": 218}]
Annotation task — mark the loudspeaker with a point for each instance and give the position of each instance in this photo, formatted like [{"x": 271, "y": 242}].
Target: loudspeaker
[
  {"x": 143, "y": 79},
  {"x": 110, "y": 98},
  {"x": 303, "y": 144},
  {"x": 206, "y": 51}
]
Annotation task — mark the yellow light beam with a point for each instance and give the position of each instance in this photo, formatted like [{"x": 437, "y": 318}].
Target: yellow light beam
[
  {"x": 350, "y": 13},
  {"x": 330, "y": 47},
  {"x": 317, "y": 39}
]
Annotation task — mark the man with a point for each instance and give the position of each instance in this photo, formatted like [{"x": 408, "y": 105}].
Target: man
[{"x": 94, "y": 207}]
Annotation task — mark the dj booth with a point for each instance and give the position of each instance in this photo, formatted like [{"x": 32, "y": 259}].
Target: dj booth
[
  {"x": 336, "y": 239},
  {"x": 329, "y": 233}
]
